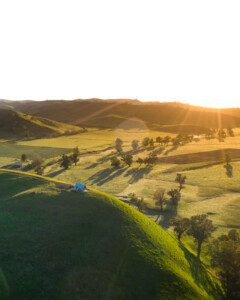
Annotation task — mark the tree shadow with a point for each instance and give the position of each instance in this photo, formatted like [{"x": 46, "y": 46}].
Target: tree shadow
[
  {"x": 229, "y": 170},
  {"x": 106, "y": 175},
  {"x": 201, "y": 275},
  {"x": 56, "y": 173},
  {"x": 137, "y": 173},
  {"x": 168, "y": 214},
  {"x": 170, "y": 150}
]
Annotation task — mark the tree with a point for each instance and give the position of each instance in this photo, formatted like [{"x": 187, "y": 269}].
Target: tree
[
  {"x": 175, "y": 196},
  {"x": 118, "y": 144},
  {"x": 36, "y": 162},
  {"x": 128, "y": 159},
  {"x": 115, "y": 162},
  {"x": 151, "y": 142},
  {"x": 221, "y": 135},
  {"x": 145, "y": 142},
  {"x": 133, "y": 197},
  {"x": 210, "y": 134},
  {"x": 166, "y": 140},
  {"x": 140, "y": 161},
  {"x": 75, "y": 155},
  {"x": 225, "y": 252},
  {"x": 23, "y": 157},
  {"x": 227, "y": 158},
  {"x": 159, "y": 139},
  {"x": 39, "y": 169},
  {"x": 180, "y": 226},
  {"x": 65, "y": 161},
  {"x": 230, "y": 132},
  {"x": 228, "y": 166},
  {"x": 141, "y": 205},
  {"x": 201, "y": 228},
  {"x": 135, "y": 145},
  {"x": 151, "y": 159},
  {"x": 180, "y": 179},
  {"x": 160, "y": 199}
]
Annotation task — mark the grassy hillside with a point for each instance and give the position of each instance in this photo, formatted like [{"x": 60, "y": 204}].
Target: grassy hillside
[
  {"x": 113, "y": 113},
  {"x": 57, "y": 244},
  {"x": 14, "y": 124}
]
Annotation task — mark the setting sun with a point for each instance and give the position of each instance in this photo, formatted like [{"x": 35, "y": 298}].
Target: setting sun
[{"x": 149, "y": 50}]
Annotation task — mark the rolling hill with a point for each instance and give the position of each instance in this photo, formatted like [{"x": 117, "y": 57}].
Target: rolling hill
[
  {"x": 22, "y": 125},
  {"x": 108, "y": 250},
  {"x": 171, "y": 117}
]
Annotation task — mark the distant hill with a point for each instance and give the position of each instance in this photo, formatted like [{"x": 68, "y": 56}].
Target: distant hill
[
  {"x": 58, "y": 244},
  {"x": 173, "y": 116},
  {"x": 23, "y": 125}
]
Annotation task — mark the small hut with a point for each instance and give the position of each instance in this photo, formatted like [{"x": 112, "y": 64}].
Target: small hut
[{"x": 79, "y": 187}]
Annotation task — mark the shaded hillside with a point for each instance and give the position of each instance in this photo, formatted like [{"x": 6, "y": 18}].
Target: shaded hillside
[
  {"x": 57, "y": 244},
  {"x": 111, "y": 113},
  {"x": 21, "y": 125}
]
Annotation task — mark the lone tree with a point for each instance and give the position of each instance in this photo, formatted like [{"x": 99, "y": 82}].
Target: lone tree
[
  {"x": 118, "y": 145},
  {"x": 145, "y": 142},
  {"x": 180, "y": 179},
  {"x": 227, "y": 159},
  {"x": 75, "y": 155},
  {"x": 160, "y": 199},
  {"x": 228, "y": 166},
  {"x": 225, "y": 252},
  {"x": 175, "y": 196},
  {"x": 23, "y": 157},
  {"x": 230, "y": 132},
  {"x": 180, "y": 226},
  {"x": 135, "y": 145},
  {"x": 133, "y": 197},
  {"x": 39, "y": 169},
  {"x": 201, "y": 228},
  {"x": 127, "y": 159},
  {"x": 65, "y": 162},
  {"x": 115, "y": 162}
]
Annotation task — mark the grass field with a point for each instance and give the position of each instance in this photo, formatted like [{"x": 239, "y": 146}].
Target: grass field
[
  {"x": 208, "y": 189},
  {"x": 108, "y": 250}
]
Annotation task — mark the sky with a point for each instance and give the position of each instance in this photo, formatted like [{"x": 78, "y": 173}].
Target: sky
[{"x": 165, "y": 50}]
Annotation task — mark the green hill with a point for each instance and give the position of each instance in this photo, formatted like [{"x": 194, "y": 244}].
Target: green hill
[
  {"x": 111, "y": 113},
  {"x": 57, "y": 244},
  {"x": 22, "y": 125}
]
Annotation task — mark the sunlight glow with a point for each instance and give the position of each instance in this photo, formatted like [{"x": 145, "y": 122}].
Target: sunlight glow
[{"x": 173, "y": 50}]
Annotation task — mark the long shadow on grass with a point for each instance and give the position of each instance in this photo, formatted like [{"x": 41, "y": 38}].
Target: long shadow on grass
[
  {"x": 169, "y": 213},
  {"x": 137, "y": 173},
  {"x": 200, "y": 274},
  {"x": 106, "y": 175},
  {"x": 56, "y": 173}
]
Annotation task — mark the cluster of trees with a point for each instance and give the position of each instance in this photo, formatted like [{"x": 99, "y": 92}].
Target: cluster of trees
[
  {"x": 225, "y": 254},
  {"x": 124, "y": 158},
  {"x": 160, "y": 197},
  {"x": 200, "y": 227},
  {"x": 220, "y": 134},
  {"x": 138, "y": 201},
  {"x": 224, "y": 250},
  {"x": 36, "y": 164},
  {"x": 67, "y": 160}
]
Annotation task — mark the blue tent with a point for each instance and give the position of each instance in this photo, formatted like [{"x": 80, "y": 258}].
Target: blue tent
[{"x": 79, "y": 187}]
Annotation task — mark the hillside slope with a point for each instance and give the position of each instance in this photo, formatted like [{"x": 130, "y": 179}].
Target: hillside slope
[
  {"x": 111, "y": 113},
  {"x": 64, "y": 245},
  {"x": 22, "y": 125}
]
